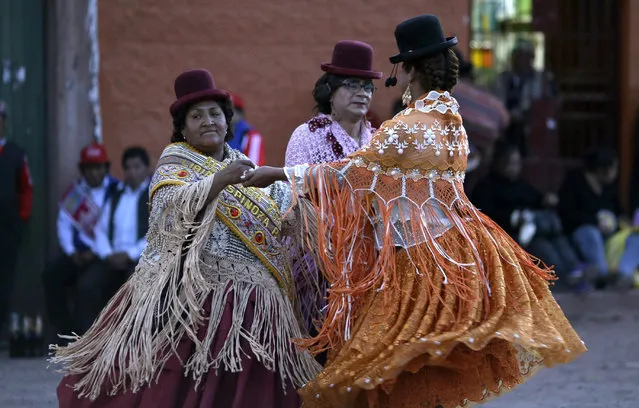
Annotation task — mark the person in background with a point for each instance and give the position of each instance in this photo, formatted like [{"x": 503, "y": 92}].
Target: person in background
[
  {"x": 528, "y": 216},
  {"x": 487, "y": 116},
  {"x": 80, "y": 210},
  {"x": 343, "y": 95},
  {"x": 120, "y": 236},
  {"x": 589, "y": 208},
  {"x": 16, "y": 201},
  {"x": 485, "y": 119},
  {"x": 518, "y": 88},
  {"x": 247, "y": 140}
]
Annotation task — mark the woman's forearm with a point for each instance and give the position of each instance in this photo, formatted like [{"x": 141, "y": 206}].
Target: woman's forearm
[
  {"x": 279, "y": 174},
  {"x": 219, "y": 183}
]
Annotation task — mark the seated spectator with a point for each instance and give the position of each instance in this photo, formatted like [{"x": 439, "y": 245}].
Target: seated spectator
[
  {"x": 79, "y": 212},
  {"x": 589, "y": 208},
  {"x": 120, "y": 234},
  {"x": 245, "y": 138},
  {"x": 527, "y": 215}
]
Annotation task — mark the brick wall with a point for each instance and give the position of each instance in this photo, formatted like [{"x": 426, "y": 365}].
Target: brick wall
[{"x": 268, "y": 52}]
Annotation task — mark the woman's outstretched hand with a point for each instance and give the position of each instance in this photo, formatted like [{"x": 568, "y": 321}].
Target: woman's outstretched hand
[
  {"x": 263, "y": 176},
  {"x": 232, "y": 174}
]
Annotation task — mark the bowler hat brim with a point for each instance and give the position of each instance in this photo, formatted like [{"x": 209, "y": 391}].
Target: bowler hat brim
[
  {"x": 350, "y": 72},
  {"x": 423, "y": 52}
]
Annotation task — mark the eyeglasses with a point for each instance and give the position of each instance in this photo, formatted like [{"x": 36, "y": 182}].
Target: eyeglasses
[{"x": 355, "y": 85}]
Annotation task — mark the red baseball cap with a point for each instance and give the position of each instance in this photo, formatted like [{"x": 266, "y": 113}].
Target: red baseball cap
[
  {"x": 237, "y": 101},
  {"x": 94, "y": 154}
]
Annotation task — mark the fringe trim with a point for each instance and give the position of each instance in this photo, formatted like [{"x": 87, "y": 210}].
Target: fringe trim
[
  {"x": 336, "y": 214},
  {"x": 274, "y": 325},
  {"x": 141, "y": 327},
  {"x": 301, "y": 231}
]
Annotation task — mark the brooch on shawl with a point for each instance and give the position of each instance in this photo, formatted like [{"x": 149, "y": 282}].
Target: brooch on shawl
[{"x": 320, "y": 123}]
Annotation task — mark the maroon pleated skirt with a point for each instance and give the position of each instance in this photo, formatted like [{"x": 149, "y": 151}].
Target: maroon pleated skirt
[{"x": 254, "y": 387}]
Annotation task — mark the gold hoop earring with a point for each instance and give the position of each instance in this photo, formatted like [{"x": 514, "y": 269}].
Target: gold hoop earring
[{"x": 407, "y": 97}]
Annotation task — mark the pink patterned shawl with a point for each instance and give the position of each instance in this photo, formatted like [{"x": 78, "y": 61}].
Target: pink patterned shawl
[{"x": 322, "y": 140}]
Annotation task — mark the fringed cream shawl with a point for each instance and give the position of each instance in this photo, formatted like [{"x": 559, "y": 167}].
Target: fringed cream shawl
[{"x": 230, "y": 248}]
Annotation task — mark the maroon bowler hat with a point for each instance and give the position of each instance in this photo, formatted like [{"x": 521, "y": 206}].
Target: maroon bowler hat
[
  {"x": 195, "y": 86},
  {"x": 353, "y": 59}
]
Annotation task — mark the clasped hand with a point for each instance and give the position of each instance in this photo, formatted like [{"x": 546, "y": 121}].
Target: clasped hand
[
  {"x": 235, "y": 171},
  {"x": 263, "y": 176},
  {"x": 244, "y": 171}
]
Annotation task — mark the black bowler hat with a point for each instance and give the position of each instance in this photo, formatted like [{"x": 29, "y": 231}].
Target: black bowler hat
[{"x": 420, "y": 37}]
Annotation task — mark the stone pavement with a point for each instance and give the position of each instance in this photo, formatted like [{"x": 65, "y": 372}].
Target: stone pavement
[
  {"x": 605, "y": 377},
  {"x": 27, "y": 383}
]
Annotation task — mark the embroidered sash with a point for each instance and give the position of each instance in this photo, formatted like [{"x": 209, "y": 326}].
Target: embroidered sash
[{"x": 252, "y": 215}]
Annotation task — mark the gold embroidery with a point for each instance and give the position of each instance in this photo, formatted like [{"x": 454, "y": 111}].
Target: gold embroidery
[{"x": 250, "y": 214}]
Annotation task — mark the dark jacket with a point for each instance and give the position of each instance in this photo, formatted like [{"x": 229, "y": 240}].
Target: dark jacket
[
  {"x": 579, "y": 204},
  {"x": 498, "y": 197},
  {"x": 11, "y": 161}
]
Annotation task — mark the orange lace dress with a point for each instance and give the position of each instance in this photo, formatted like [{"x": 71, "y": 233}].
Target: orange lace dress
[{"x": 430, "y": 304}]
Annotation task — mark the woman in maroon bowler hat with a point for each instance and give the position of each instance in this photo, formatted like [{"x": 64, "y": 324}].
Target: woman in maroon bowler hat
[
  {"x": 343, "y": 96},
  {"x": 207, "y": 318}
]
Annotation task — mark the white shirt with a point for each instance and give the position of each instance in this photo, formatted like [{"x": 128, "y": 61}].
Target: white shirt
[
  {"x": 65, "y": 223},
  {"x": 125, "y": 226}
]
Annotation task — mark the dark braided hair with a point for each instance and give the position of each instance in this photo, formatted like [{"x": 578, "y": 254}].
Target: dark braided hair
[
  {"x": 439, "y": 72},
  {"x": 179, "y": 121}
]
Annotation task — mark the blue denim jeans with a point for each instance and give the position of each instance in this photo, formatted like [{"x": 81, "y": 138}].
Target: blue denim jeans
[
  {"x": 630, "y": 259},
  {"x": 591, "y": 245}
]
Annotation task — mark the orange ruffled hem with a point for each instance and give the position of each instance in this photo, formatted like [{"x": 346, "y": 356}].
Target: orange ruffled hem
[{"x": 424, "y": 345}]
